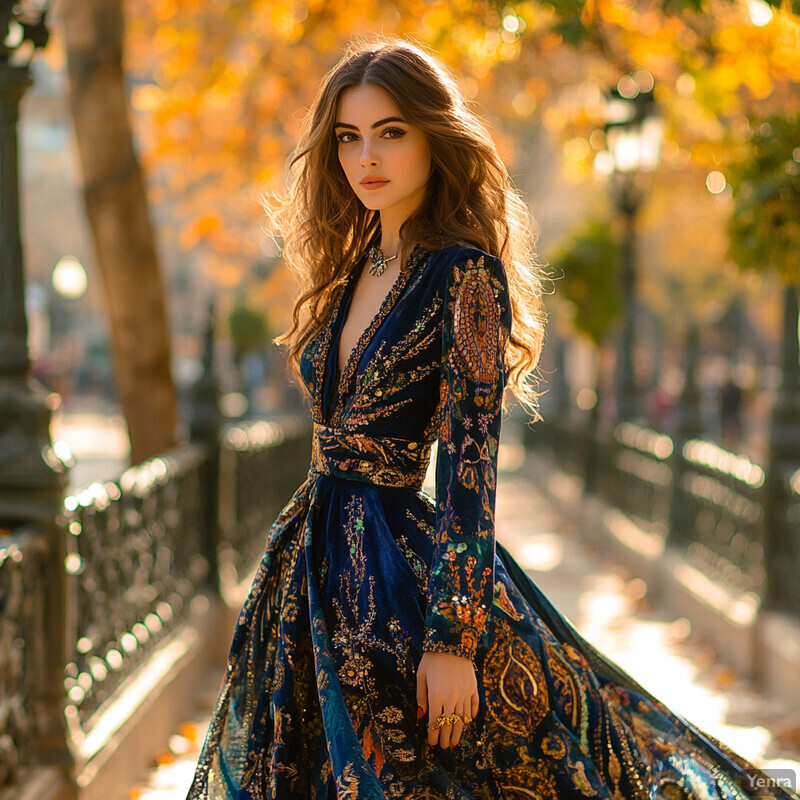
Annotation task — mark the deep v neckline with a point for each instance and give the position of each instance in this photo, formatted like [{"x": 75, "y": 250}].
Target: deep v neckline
[{"x": 368, "y": 334}]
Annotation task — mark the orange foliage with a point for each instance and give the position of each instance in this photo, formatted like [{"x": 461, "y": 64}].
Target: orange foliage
[{"x": 219, "y": 89}]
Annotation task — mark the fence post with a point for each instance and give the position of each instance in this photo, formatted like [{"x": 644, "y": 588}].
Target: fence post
[
  {"x": 784, "y": 458},
  {"x": 33, "y": 473},
  {"x": 591, "y": 437},
  {"x": 688, "y": 425},
  {"x": 204, "y": 428}
]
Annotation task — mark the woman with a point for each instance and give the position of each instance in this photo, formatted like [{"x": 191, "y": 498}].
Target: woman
[{"x": 387, "y": 648}]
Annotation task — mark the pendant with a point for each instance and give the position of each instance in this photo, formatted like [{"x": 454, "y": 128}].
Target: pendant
[{"x": 378, "y": 261}]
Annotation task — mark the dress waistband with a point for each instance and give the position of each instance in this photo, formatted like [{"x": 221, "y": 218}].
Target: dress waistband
[{"x": 382, "y": 460}]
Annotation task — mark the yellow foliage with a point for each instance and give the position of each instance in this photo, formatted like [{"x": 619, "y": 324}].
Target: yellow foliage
[
  {"x": 220, "y": 89},
  {"x": 207, "y": 225},
  {"x": 683, "y": 244}
]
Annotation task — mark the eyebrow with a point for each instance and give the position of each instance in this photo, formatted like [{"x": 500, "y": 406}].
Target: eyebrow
[{"x": 374, "y": 124}]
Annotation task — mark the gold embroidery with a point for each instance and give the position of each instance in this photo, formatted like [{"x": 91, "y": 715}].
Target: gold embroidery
[
  {"x": 417, "y": 255},
  {"x": 517, "y": 696}
]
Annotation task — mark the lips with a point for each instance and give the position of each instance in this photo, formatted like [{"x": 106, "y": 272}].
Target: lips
[{"x": 373, "y": 181}]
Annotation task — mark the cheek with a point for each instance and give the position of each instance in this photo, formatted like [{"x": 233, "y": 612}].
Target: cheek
[
  {"x": 346, "y": 160},
  {"x": 428, "y": 162},
  {"x": 422, "y": 160}
]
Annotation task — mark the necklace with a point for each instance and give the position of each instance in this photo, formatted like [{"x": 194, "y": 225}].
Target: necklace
[{"x": 378, "y": 261}]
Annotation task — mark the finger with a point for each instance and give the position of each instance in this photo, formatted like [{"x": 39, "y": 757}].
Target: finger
[
  {"x": 446, "y": 732},
  {"x": 458, "y": 728},
  {"x": 476, "y": 705},
  {"x": 422, "y": 691},
  {"x": 433, "y": 732},
  {"x": 444, "y": 735}
]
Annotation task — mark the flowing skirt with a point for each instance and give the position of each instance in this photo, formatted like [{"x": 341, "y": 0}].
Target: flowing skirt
[{"x": 319, "y": 700}]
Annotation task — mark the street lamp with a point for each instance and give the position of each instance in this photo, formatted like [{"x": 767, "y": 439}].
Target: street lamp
[
  {"x": 70, "y": 282},
  {"x": 69, "y": 278},
  {"x": 32, "y": 475},
  {"x": 633, "y": 132},
  {"x": 22, "y": 26}
]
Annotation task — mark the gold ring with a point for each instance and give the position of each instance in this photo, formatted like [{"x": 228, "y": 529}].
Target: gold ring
[
  {"x": 466, "y": 719},
  {"x": 446, "y": 719}
]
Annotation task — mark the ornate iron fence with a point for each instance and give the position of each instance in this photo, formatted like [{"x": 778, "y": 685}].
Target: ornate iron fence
[
  {"x": 280, "y": 448},
  {"x": 23, "y": 570},
  {"x": 634, "y": 474},
  {"x": 720, "y": 514},
  {"x": 698, "y": 497},
  {"x": 134, "y": 561},
  {"x": 784, "y": 550},
  {"x": 138, "y": 548}
]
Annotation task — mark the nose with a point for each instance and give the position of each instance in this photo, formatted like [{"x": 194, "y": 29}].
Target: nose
[{"x": 368, "y": 156}]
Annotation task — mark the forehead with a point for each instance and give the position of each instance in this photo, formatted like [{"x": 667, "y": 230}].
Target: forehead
[{"x": 364, "y": 104}]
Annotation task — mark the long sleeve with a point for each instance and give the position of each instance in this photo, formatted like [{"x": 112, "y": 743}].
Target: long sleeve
[{"x": 477, "y": 321}]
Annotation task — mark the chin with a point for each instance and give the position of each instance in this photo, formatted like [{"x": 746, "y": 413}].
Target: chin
[{"x": 373, "y": 204}]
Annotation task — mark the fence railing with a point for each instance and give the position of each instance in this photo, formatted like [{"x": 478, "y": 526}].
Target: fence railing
[
  {"x": 248, "y": 505},
  {"x": 720, "y": 504},
  {"x": 783, "y": 545},
  {"x": 137, "y": 556},
  {"x": 23, "y": 574},
  {"x": 636, "y": 475},
  {"x": 134, "y": 561},
  {"x": 695, "y": 495}
]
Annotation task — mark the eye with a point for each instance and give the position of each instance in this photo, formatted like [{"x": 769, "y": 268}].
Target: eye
[
  {"x": 346, "y": 137},
  {"x": 393, "y": 133}
]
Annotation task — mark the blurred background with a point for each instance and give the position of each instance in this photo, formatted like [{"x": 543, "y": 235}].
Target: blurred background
[
  {"x": 628, "y": 129},
  {"x": 150, "y": 431}
]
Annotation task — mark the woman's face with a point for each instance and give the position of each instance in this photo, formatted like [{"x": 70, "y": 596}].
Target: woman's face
[{"x": 386, "y": 160}]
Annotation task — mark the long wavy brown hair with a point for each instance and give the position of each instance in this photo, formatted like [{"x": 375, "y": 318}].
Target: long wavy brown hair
[{"x": 469, "y": 197}]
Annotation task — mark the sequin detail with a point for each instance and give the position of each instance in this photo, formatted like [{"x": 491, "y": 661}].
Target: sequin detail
[
  {"x": 363, "y": 572},
  {"x": 380, "y": 460}
]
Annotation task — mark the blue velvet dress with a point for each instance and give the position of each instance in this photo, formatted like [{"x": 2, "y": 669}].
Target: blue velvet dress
[{"x": 363, "y": 572}]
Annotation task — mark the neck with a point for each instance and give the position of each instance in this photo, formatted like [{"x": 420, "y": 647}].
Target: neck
[
  {"x": 390, "y": 235},
  {"x": 392, "y": 220}
]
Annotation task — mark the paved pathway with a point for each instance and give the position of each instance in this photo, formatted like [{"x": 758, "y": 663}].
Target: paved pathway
[
  {"x": 95, "y": 432},
  {"x": 611, "y": 610}
]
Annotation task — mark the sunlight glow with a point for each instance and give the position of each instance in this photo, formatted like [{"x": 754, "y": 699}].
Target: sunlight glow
[
  {"x": 760, "y": 12},
  {"x": 603, "y": 164},
  {"x": 685, "y": 84},
  {"x": 715, "y": 182},
  {"x": 542, "y": 552},
  {"x": 586, "y": 399}
]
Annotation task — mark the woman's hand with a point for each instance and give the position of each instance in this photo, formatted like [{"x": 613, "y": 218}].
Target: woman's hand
[{"x": 446, "y": 684}]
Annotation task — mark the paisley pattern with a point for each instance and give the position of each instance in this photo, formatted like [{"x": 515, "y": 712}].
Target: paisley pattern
[{"x": 363, "y": 572}]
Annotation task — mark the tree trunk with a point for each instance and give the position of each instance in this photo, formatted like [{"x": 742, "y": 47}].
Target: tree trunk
[{"x": 118, "y": 213}]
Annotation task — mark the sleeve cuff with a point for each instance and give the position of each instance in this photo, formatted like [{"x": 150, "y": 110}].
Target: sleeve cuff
[{"x": 459, "y": 642}]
